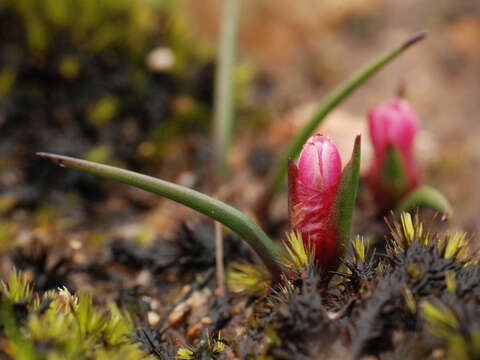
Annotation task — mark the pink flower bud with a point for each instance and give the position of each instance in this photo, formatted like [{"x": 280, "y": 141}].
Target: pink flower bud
[
  {"x": 312, "y": 190},
  {"x": 393, "y": 125}
]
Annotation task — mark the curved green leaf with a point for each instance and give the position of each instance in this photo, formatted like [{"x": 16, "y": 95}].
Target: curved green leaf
[
  {"x": 425, "y": 196},
  {"x": 226, "y": 214}
]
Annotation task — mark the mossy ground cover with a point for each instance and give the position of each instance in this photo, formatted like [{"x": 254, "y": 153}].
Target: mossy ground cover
[{"x": 418, "y": 299}]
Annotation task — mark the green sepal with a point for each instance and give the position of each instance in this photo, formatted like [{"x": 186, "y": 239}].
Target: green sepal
[
  {"x": 342, "y": 211},
  {"x": 393, "y": 173},
  {"x": 213, "y": 208},
  {"x": 428, "y": 197}
]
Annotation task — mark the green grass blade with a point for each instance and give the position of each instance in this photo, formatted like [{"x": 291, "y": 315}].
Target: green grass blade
[
  {"x": 226, "y": 214},
  {"x": 224, "y": 86},
  {"x": 340, "y": 93}
]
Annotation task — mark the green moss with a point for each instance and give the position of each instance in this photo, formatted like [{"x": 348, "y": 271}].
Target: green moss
[
  {"x": 101, "y": 153},
  {"x": 17, "y": 288},
  {"x": 211, "y": 348},
  {"x": 59, "y": 325},
  {"x": 69, "y": 67},
  {"x": 8, "y": 77},
  {"x": 103, "y": 111},
  {"x": 89, "y": 24},
  {"x": 8, "y": 231}
]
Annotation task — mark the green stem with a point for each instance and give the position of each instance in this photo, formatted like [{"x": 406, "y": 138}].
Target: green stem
[
  {"x": 340, "y": 93},
  {"x": 224, "y": 87},
  {"x": 224, "y": 113},
  {"x": 226, "y": 214}
]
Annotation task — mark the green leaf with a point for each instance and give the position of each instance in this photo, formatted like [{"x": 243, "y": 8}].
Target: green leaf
[
  {"x": 394, "y": 175},
  {"x": 226, "y": 214},
  {"x": 339, "y": 94},
  {"x": 346, "y": 194},
  {"x": 425, "y": 196}
]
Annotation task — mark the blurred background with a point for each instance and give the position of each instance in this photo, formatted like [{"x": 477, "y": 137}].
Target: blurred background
[{"x": 130, "y": 83}]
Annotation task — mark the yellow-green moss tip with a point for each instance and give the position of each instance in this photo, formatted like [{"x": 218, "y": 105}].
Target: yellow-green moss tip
[
  {"x": 298, "y": 256},
  {"x": 360, "y": 249},
  {"x": 408, "y": 230},
  {"x": 246, "y": 278}
]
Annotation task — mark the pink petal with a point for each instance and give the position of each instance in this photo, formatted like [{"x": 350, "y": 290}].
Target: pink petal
[
  {"x": 309, "y": 165},
  {"x": 392, "y": 123},
  {"x": 320, "y": 165}
]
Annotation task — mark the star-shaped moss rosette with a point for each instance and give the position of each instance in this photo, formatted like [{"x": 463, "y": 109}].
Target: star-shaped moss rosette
[{"x": 394, "y": 177}]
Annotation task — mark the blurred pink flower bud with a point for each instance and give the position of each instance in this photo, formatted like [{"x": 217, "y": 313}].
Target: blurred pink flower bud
[
  {"x": 312, "y": 190},
  {"x": 393, "y": 126}
]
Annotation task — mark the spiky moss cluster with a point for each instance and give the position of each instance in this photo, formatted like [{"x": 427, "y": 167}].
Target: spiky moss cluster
[
  {"x": 59, "y": 325},
  {"x": 420, "y": 298},
  {"x": 292, "y": 318},
  {"x": 299, "y": 315},
  {"x": 48, "y": 271},
  {"x": 255, "y": 279},
  {"x": 210, "y": 348},
  {"x": 456, "y": 324},
  {"x": 359, "y": 267},
  {"x": 191, "y": 250},
  {"x": 419, "y": 266}
]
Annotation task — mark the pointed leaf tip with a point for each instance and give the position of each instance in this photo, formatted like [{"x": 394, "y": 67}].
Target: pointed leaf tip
[
  {"x": 414, "y": 40},
  {"x": 357, "y": 142},
  {"x": 56, "y": 159}
]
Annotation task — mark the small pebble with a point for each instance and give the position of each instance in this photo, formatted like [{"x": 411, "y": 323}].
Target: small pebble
[
  {"x": 75, "y": 244},
  {"x": 144, "y": 278},
  {"x": 187, "y": 178},
  {"x": 206, "y": 320},
  {"x": 199, "y": 298},
  {"x": 179, "y": 313},
  {"x": 154, "y": 304},
  {"x": 153, "y": 318},
  {"x": 438, "y": 354},
  {"x": 194, "y": 330},
  {"x": 160, "y": 59}
]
